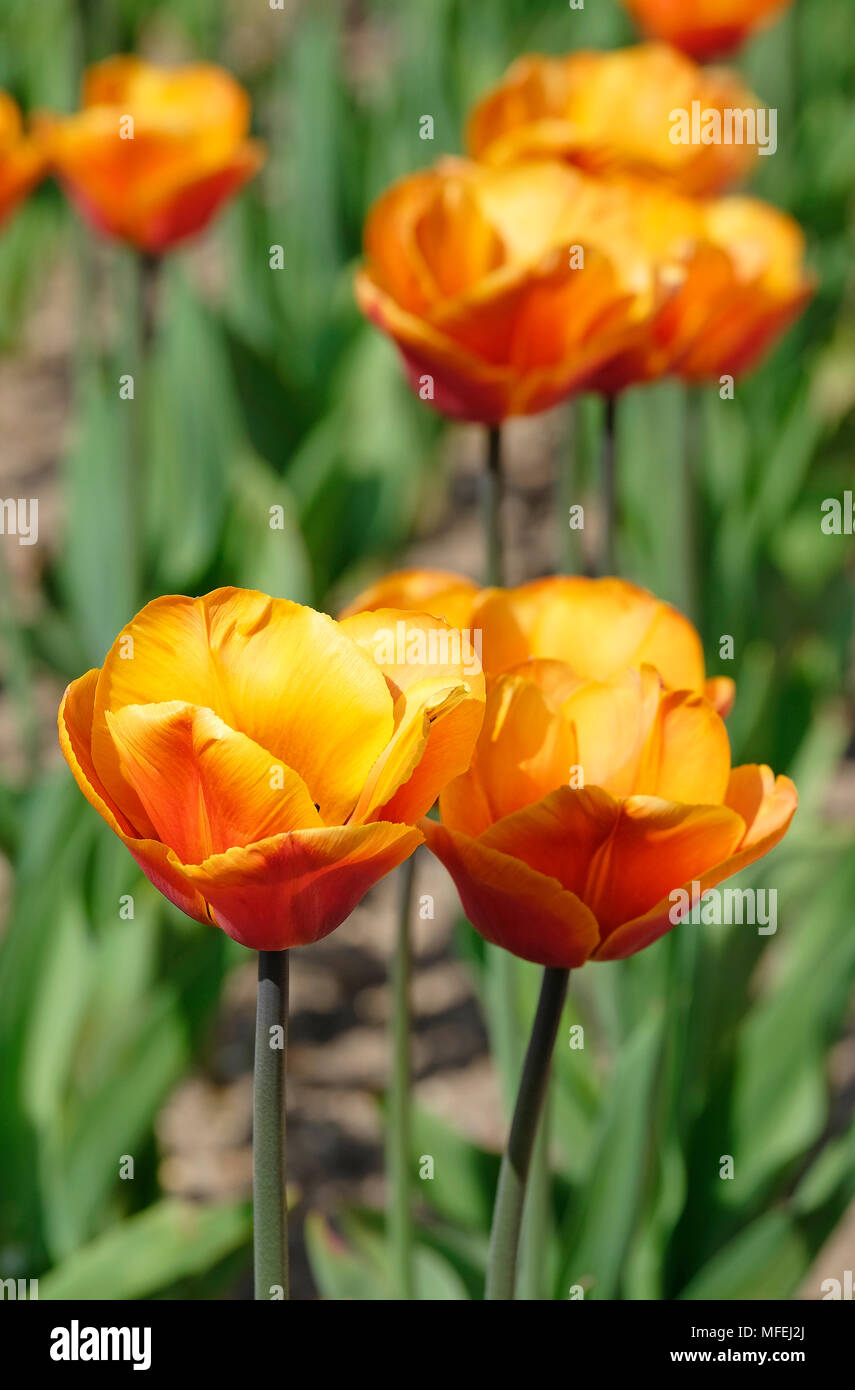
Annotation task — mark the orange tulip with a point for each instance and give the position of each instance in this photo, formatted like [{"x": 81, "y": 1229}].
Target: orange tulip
[
  {"x": 588, "y": 803},
  {"x": 155, "y": 152},
  {"x": 611, "y": 113},
  {"x": 504, "y": 288},
  {"x": 738, "y": 281},
  {"x": 263, "y": 764},
  {"x": 596, "y": 626},
  {"x": 744, "y": 310},
  {"x": 22, "y": 160},
  {"x": 704, "y": 28}
]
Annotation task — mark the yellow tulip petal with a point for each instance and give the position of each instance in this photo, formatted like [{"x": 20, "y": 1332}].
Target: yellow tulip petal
[{"x": 285, "y": 676}]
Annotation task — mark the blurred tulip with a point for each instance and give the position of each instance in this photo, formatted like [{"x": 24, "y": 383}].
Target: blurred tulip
[
  {"x": 263, "y": 764},
  {"x": 504, "y": 288},
  {"x": 22, "y": 160},
  {"x": 739, "y": 311},
  {"x": 611, "y": 113},
  {"x": 588, "y": 803},
  {"x": 596, "y": 626},
  {"x": 155, "y": 152},
  {"x": 704, "y": 28},
  {"x": 738, "y": 280}
]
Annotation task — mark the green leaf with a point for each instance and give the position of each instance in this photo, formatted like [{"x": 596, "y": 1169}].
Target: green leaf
[
  {"x": 601, "y": 1221},
  {"x": 148, "y": 1252},
  {"x": 766, "y": 1260}
]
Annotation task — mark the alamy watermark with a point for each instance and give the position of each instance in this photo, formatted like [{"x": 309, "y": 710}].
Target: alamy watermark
[
  {"x": 438, "y": 646},
  {"x": 734, "y": 125},
  {"x": 726, "y": 907}
]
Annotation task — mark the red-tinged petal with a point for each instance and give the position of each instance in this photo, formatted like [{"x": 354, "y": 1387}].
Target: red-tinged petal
[
  {"x": 656, "y": 846},
  {"x": 157, "y": 862},
  {"x": 296, "y": 888},
  {"x": 766, "y": 805},
  {"x": 512, "y": 905},
  {"x": 559, "y": 835}
]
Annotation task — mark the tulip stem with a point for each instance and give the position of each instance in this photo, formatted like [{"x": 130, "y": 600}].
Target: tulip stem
[
  {"x": 513, "y": 1175},
  {"x": 399, "y": 1215},
  {"x": 270, "y": 1207},
  {"x": 493, "y": 489},
  {"x": 608, "y": 480}
]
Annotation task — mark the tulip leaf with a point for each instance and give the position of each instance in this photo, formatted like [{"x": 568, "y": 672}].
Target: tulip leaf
[
  {"x": 766, "y": 1260},
  {"x": 146, "y": 1253},
  {"x": 602, "y": 1214}
]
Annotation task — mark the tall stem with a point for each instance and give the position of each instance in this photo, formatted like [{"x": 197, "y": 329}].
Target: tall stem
[
  {"x": 493, "y": 488},
  {"x": 398, "y": 1157},
  {"x": 270, "y": 1208},
  {"x": 608, "y": 482},
  {"x": 513, "y": 1175}
]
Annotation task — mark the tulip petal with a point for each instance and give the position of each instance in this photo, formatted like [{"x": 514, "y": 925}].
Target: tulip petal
[
  {"x": 204, "y": 787},
  {"x": 511, "y": 904},
  {"x": 656, "y": 846},
  {"x": 766, "y": 805},
  {"x": 281, "y": 674},
  {"x": 441, "y": 592},
  {"x": 294, "y": 889},
  {"x": 157, "y": 862},
  {"x": 435, "y": 673},
  {"x": 687, "y": 757}
]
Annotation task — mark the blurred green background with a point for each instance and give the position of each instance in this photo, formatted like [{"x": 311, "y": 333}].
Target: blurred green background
[{"x": 266, "y": 388}]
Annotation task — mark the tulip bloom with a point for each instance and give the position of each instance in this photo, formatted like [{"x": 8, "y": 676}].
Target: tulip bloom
[
  {"x": 155, "y": 152},
  {"x": 22, "y": 160},
  {"x": 738, "y": 282},
  {"x": 596, "y": 626},
  {"x": 704, "y": 28},
  {"x": 611, "y": 113},
  {"x": 588, "y": 803},
  {"x": 263, "y": 764},
  {"x": 740, "y": 312},
  {"x": 504, "y": 288}
]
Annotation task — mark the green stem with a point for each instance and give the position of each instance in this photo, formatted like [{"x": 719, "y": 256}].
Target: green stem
[
  {"x": 492, "y": 506},
  {"x": 568, "y": 549},
  {"x": 270, "y": 1207},
  {"x": 398, "y": 1158},
  {"x": 608, "y": 483},
  {"x": 513, "y": 1175}
]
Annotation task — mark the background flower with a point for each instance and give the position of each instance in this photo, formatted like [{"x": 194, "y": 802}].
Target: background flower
[
  {"x": 704, "y": 28},
  {"x": 611, "y": 113},
  {"x": 471, "y": 270},
  {"x": 22, "y": 159},
  {"x": 162, "y": 179}
]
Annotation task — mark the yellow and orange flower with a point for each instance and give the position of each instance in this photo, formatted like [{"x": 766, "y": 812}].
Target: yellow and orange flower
[
  {"x": 505, "y": 289},
  {"x": 704, "y": 28},
  {"x": 22, "y": 158},
  {"x": 155, "y": 152},
  {"x": 588, "y": 803},
  {"x": 263, "y": 764},
  {"x": 738, "y": 281},
  {"x": 746, "y": 307},
  {"x": 611, "y": 114},
  {"x": 596, "y": 626}
]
